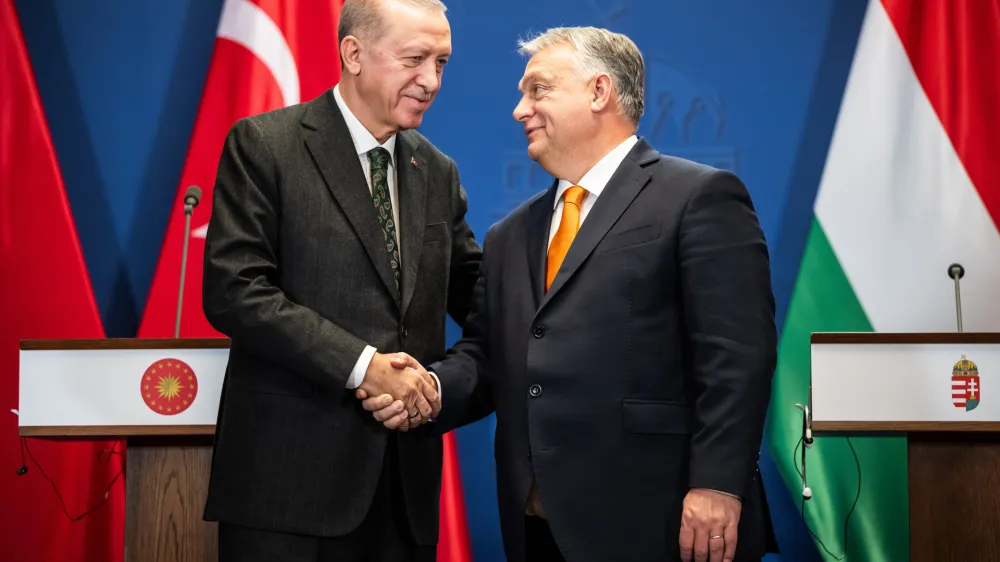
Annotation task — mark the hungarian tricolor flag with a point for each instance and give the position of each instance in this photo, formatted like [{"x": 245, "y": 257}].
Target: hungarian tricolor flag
[
  {"x": 910, "y": 186},
  {"x": 268, "y": 54},
  {"x": 46, "y": 294}
]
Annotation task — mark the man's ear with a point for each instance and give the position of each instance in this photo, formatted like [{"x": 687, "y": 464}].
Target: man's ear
[
  {"x": 603, "y": 93},
  {"x": 350, "y": 54}
]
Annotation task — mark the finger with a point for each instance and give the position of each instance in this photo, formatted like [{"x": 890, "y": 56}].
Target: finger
[
  {"x": 686, "y": 541},
  {"x": 402, "y": 360},
  {"x": 428, "y": 379},
  {"x": 423, "y": 406},
  {"x": 397, "y": 422},
  {"x": 716, "y": 546},
  {"x": 427, "y": 389},
  {"x": 730, "y": 536},
  {"x": 392, "y": 410},
  {"x": 377, "y": 402},
  {"x": 700, "y": 544},
  {"x": 360, "y": 394}
]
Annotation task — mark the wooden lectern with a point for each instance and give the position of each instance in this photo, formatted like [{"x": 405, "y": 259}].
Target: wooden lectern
[
  {"x": 161, "y": 396},
  {"x": 926, "y": 386}
]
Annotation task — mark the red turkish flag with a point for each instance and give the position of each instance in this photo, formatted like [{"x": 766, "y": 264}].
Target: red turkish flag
[
  {"x": 268, "y": 54},
  {"x": 47, "y": 294}
]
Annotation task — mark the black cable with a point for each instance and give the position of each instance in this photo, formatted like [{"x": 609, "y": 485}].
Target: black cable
[
  {"x": 847, "y": 520},
  {"x": 110, "y": 452}
]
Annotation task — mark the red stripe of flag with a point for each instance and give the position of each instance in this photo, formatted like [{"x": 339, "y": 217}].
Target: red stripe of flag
[
  {"x": 954, "y": 47},
  {"x": 48, "y": 295}
]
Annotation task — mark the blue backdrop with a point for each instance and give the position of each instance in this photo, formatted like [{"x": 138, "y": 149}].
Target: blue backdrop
[{"x": 750, "y": 86}]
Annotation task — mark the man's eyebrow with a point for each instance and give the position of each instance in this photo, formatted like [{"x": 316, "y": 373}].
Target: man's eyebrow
[{"x": 532, "y": 77}]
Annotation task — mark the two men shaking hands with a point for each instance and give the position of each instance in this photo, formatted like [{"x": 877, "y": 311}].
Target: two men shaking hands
[{"x": 619, "y": 323}]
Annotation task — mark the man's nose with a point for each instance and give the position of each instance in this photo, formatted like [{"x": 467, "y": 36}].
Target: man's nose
[
  {"x": 523, "y": 110},
  {"x": 429, "y": 77}
]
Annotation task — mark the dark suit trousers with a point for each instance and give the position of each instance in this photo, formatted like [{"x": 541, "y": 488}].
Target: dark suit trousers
[
  {"x": 383, "y": 536},
  {"x": 540, "y": 546}
]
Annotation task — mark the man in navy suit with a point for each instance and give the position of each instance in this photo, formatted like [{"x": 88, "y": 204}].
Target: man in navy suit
[{"x": 622, "y": 329}]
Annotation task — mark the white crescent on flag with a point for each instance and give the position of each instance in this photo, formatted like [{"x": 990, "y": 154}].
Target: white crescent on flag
[{"x": 244, "y": 23}]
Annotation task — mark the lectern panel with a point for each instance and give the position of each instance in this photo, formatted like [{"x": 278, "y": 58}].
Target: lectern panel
[{"x": 905, "y": 386}]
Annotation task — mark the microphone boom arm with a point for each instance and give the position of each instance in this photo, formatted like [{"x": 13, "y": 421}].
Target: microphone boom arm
[{"x": 191, "y": 199}]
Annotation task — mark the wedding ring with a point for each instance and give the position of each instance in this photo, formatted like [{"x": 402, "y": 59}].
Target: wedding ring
[
  {"x": 415, "y": 414},
  {"x": 715, "y": 537}
]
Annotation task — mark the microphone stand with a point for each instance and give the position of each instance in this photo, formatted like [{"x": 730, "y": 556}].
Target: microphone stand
[
  {"x": 191, "y": 199},
  {"x": 956, "y": 272}
]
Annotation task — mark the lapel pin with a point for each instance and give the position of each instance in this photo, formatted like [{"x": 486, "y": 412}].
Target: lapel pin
[{"x": 413, "y": 161}]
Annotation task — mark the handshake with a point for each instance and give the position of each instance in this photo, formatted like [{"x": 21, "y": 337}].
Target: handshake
[{"x": 399, "y": 391}]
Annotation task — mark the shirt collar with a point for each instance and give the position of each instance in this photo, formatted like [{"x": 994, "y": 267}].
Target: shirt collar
[
  {"x": 363, "y": 140},
  {"x": 597, "y": 178}
]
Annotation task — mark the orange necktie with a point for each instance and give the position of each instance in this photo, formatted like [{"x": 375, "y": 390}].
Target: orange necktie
[{"x": 568, "y": 227}]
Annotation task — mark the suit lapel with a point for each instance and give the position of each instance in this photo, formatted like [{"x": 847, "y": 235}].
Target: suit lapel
[
  {"x": 329, "y": 142},
  {"x": 412, "y": 183},
  {"x": 537, "y": 233},
  {"x": 622, "y": 188}
]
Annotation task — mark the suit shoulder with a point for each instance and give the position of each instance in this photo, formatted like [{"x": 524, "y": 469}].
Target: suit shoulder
[
  {"x": 689, "y": 177},
  {"x": 516, "y": 217},
  {"x": 275, "y": 120},
  {"x": 676, "y": 166},
  {"x": 430, "y": 151}
]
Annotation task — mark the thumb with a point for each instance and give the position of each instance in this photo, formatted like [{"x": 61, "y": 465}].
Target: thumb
[
  {"x": 360, "y": 394},
  {"x": 400, "y": 360}
]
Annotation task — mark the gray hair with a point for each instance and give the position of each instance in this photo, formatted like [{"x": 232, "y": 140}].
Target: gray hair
[
  {"x": 363, "y": 19},
  {"x": 599, "y": 50}
]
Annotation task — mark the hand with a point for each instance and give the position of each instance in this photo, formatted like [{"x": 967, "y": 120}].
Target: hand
[
  {"x": 391, "y": 412},
  {"x": 399, "y": 377},
  {"x": 708, "y": 526}
]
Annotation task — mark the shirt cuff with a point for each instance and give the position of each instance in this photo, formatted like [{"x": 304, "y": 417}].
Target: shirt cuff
[
  {"x": 438, "y": 381},
  {"x": 360, "y": 368}
]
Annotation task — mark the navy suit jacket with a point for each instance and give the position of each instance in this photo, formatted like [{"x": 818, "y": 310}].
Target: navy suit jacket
[{"x": 644, "y": 371}]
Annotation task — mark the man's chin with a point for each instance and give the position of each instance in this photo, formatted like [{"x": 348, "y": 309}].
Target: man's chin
[
  {"x": 534, "y": 151},
  {"x": 411, "y": 120}
]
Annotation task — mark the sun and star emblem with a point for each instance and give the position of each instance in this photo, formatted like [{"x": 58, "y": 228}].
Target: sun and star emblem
[{"x": 169, "y": 386}]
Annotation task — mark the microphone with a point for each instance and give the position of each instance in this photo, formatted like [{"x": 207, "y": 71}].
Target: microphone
[
  {"x": 191, "y": 199},
  {"x": 956, "y": 272},
  {"x": 807, "y": 441}
]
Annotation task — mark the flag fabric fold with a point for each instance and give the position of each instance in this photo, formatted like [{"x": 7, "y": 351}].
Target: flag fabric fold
[
  {"x": 907, "y": 189},
  {"x": 48, "y": 295}
]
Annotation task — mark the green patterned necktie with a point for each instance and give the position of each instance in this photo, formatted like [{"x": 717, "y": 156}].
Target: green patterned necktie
[{"x": 378, "y": 157}]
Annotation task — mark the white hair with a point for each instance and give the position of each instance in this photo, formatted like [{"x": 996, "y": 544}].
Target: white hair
[
  {"x": 363, "y": 19},
  {"x": 599, "y": 50}
]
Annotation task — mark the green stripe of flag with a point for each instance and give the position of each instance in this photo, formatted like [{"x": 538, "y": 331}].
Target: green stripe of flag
[{"x": 823, "y": 301}]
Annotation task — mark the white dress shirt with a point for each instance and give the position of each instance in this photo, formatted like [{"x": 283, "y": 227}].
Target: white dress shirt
[
  {"x": 593, "y": 181},
  {"x": 364, "y": 142}
]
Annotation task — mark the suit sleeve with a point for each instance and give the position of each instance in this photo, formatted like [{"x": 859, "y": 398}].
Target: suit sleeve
[
  {"x": 729, "y": 316},
  {"x": 466, "y": 255},
  {"x": 464, "y": 373},
  {"x": 240, "y": 291}
]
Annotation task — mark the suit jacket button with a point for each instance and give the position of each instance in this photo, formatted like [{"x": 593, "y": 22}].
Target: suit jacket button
[
  {"x": 539, "y": 332},
  {"x": 535, "y": 391},
  {"x": 403, "y": 332}
]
